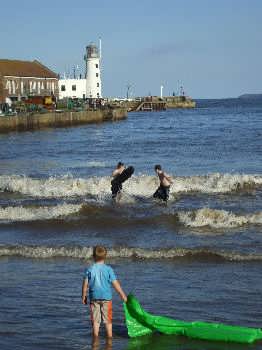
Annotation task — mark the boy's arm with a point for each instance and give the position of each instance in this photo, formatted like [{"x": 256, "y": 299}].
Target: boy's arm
[
  {"x": 119, "y": 290},
  {"x": 84, "y": 290}
]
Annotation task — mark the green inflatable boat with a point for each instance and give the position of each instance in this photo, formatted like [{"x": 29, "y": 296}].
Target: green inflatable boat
[{"x": 140, "y": 322}]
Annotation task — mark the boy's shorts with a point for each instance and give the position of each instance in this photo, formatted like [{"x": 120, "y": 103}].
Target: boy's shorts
[
  {"x": 101, "y": 310},
  {"x": 162, "y": 193}
]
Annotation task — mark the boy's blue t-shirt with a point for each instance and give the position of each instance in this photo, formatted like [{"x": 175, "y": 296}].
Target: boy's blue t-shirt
[{"x": 100, "y": 277}]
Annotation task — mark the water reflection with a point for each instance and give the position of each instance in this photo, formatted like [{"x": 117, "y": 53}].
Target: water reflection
[
  {"x": 163, "y": 342},
  {"x": 101, "y": 345}
]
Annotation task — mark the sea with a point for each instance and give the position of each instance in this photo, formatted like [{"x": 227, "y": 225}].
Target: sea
[{"x": 197, "y": 258}]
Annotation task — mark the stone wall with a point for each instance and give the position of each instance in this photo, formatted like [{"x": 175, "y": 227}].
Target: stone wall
[
  {"x": 59, "y": 119},
  {"x": 179, "y": 102}
]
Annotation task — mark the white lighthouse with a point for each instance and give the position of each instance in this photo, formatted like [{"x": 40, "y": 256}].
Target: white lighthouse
[{"x": 93, "y": 73}]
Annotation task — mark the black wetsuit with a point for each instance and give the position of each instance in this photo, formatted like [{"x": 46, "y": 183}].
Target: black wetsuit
[
  {"x": 116, "y": 186},
  {"x": 162, "y": 193}
]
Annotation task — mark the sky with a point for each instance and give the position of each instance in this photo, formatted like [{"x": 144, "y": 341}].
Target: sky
[{"x": 211, "y": 48}]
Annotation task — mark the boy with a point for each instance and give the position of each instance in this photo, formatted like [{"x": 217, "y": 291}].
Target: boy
[
  {"x": 98, "y": 278},
  {"x": 116, "y": 186},
  {"x": 165, "y": 182}
]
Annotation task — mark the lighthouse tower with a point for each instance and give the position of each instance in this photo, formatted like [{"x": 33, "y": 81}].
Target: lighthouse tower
[{"x": 93, "y": 75}]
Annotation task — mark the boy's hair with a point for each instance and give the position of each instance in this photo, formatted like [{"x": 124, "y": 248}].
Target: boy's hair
[
  {"x": 99, "y": 253},
  {"x": 119, "y": 164},
  {"x": 158, "y": 167}
]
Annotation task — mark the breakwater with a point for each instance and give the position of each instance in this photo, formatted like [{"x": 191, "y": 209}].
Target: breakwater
[
  {"x": 35, "y": 121},
  {"x": 179, "y": 102},
  {"x": 154, "y": 103}
]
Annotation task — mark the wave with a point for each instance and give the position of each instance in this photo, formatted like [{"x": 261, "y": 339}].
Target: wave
[
  {"x": 141, "y": 186},
  {"x": 52, "y": 187},
  {"x": 200, "y": 218},
  {"x": 77, "y": 252},
  {"x": 217, "y": 219},
  {"x": 16, "y": 214}
]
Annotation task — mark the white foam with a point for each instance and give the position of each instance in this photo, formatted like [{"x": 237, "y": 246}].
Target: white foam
[
  {"x": 217, "y": 218},
  {"x": 54, "y": 187},
  {"x": 204, "y": 217},
  {"x": 95, "y": 164},
  {"x": 15, "y": 214},
  {"x": 143, "y": 185},
  {"x": 216, "y": 183},
  {"x": 77, "y": 252}
]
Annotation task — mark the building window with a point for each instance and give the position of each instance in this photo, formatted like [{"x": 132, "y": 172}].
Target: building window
[
  {"x": 97, "y": 75},
  {"x": 96, "y": 65},
  {"x": 9, "y": 86},
  {"x": 63, "y": 88},
  {"x": 73, "y": 87},
  {"x": 97, "y": 84}
]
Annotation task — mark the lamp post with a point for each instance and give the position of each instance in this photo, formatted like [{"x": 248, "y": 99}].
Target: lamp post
[{"x": 161, "y": 91}]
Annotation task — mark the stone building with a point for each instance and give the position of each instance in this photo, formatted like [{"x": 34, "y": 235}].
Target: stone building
[{"x": 20, "y": 79}]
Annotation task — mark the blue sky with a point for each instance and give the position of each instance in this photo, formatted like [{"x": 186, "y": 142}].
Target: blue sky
[{"x": 213, "y": 48}]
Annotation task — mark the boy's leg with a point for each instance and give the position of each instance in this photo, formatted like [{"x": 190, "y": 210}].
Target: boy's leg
[
  {"x": 106, "y": 312},
  {"x": 115, "y": 187},
  {"x": 95, "y": 317},
  {"x": 95, "y": 343},
  {"x": 157, "y": 194},
  {"x": 166, "y": 193},
  {"x": 96, "y": 327},
  {"x": 109, "y": 332}
]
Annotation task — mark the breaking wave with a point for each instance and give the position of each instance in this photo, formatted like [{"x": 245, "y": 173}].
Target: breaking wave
[
  {"x": 54, "y": 187},
  {"x": 204, "y": 217},
  {"x": 143, "y": 185},
  {"x": 217, "y": 219},
  {"x": 15, "y": 214},
  {"x": 77, "y": 252}
]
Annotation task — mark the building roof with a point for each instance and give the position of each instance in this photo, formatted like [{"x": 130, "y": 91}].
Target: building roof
[{"x": 17, "y": 68}]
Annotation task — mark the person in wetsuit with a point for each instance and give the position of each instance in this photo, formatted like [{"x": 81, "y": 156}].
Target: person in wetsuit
[
  {"x": 165, "y": 182},
  {"x": 116, "y": 186}
]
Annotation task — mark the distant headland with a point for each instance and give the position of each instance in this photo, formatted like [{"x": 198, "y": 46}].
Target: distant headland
[{"x": 251, "y": 96}]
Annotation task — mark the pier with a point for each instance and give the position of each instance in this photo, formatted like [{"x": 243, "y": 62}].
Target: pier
[
  {"x": 155, "y": 103},
  {"x": 150, "y": 104}
]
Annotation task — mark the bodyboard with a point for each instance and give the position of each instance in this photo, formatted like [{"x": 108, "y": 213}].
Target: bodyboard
[{"x": 126, "y": 174}]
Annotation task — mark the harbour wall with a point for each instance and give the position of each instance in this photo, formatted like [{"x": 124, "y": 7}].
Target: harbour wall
[
  {"x": 179, "y": 102},
  {"x": 36, "y": 121},
  {"x": 159, "y": 103}
]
